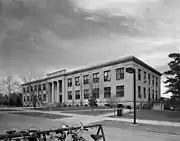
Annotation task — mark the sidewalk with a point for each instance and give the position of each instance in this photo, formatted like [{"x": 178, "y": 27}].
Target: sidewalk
[{"x": 75, "y": 118}]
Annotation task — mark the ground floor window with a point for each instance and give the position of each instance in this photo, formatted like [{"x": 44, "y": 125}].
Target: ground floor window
[
  {"x": 44, "y": 97},
  {"x": 120, "y": 91},
  {"x": 69, "y": 95},
  {"x": 107, "y": 92},
  {"x": 77, "y": 94},
  {"x": 86, "y": 93}
]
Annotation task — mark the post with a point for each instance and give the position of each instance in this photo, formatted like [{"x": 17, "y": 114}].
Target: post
[{"x": 134, "y": 97}]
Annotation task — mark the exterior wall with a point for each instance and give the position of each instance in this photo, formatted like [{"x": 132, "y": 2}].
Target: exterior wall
[{"x": 127, "y": 82}]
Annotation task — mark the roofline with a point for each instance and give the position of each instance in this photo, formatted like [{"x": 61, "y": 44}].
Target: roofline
[{"x": 114, "y": 62}]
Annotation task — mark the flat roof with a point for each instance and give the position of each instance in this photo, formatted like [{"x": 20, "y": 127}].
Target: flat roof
[{"x": 110, "y": 63}]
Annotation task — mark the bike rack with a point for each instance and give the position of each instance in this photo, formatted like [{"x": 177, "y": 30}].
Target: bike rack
[{"x": 45, "y": 132}]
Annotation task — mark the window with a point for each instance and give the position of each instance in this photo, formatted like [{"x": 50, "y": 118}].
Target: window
[
  {"x": 69, "y": 95},
  {"x": 156, "y": 81},
  {"x": 86, "y": 93},
  {"x": 77, "y": 94},
  {"x": 95, "y": 77},
  {"x": 44, "y": 97},
  {"x": 156, "y": 95},
  {"x": 120, "y": 91},
  {"x": 139, "y": 74},
  {"x": 24, "y": 98},
  {"x": 69, "y": 82},
  {"x": 153, "y": 80},
  {"x": 35, "y": 88},
  {"x": 139, "y": 91},
  {"x": 144, "y": 77},
  {"x": 152, "y": 94},
  {"x": 31, "y": 88},
  {"x": 107, "y": 75},
  {"x": 27, "y": 89},
  {"x": 77, "y": 83},
  {"x": 44, "y": 87},
  {"x": 149, "y": 94},
  {"x": 144, "y": 93},
  {"x": 119, "y": 73},
  {"x": 39, "y": 97},
  {"x": 107, "y": 92},
  {"x": 39, "y": 87},
  {"x": 86, "y": 79},
  {"x": 96, "y": 92},
  {"x": 24, "y": 90},
  {"x": 149, "y": 78},
  {"x": 27, "y": 98}
]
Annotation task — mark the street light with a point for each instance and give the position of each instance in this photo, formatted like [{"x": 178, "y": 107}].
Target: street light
[{"x": 133, "y": 71}]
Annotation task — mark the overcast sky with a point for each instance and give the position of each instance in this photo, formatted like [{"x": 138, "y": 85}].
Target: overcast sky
[{"x": 42, "y": 36}]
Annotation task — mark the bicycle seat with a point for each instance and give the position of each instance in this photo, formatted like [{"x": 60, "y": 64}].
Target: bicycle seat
[
  {"x": 96, "y": 137},
  {"x": 11, "y": 131}
]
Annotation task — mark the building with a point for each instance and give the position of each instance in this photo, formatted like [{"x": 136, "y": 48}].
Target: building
[{"x": 108, "y": 80}]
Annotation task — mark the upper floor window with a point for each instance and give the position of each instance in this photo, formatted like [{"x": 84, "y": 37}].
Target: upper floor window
[
  {"x": 86, "y": 79},
  {"x": 144, "y": 77},
  {"x": 107, "y": 75},
  {"x": 156, "y": 81},
  {"x": 69, "y": 95},
  {"x": 139, "y": 74},
  {"x": 31, "y": 88},
  {"x": 77, "y": 94},
  {"x": 35, "y": 88},
  {"x": 153, "y": 80},
  {"x": 107, "y": 92},
  {"x": 86, "y": 93},
  {"x": 149, "y": 78},
  {"x": 77, "y": 82},
  {"x": 119, "y": 73},
  {"x": 27, "y": 89},
  {"x": 139, "y": 91},
  {"x": 120, "y": 91},
  {"x": 39, "y": 87},
  {"x": 44, "y": 86},
  {"x": 69, "y": 82},
  {"x": 24, "y": 89},
  {"x": 95, "y": 77}
]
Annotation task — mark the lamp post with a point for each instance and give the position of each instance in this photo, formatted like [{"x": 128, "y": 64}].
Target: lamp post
[{"x": 133, "y": 71}]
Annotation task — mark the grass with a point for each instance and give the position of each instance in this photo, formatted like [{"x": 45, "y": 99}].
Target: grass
[
  {"x": 8, "y": 110},
  {"x": 142, "y": 127},
  {"x": 42, "y": 115},
  {"x": 68, "y": 108},
  {"x": 92, "y": 113},
  {"x": 172, "y": 116}
]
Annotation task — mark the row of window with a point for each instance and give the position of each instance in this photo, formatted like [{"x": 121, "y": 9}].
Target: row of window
[
  {"x": 96, "y": 91},
  {"x": 149, "y": 93},
  {"x": 107, "y": 77},
  {"x": 154, "y": 79},
  {"x": 31, "y": 89},
  {"x": 30, "y": 98}
]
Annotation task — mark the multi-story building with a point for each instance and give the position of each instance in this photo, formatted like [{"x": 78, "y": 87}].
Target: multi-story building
[{"x": 108, "y": 80}]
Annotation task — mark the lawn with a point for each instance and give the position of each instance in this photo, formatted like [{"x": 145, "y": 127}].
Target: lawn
[
  {"x": 91, "y": 113},
  {"x": 8, "y": 110},
  {"x": 68, "y": 108},
  {"x": 173, "y": 116},
  {"x": 142, "y": 127},
  {"x": 41, "y": 115}
]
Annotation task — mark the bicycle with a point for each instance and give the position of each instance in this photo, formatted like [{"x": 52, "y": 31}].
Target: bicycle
[{"x": 77, "y": 134}]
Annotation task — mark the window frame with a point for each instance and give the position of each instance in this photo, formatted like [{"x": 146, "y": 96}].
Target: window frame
[
  {"x": 120, "y": 73},
  {"x": 77, "y": 98},
  {"x": 77, "y": 81},
  {"x": 86, "y": 93},
  {"x": 86, "y": 79},
  {"x": 69, "y": 94},
  {"x": 107, "y": 92},
  {"x": 69, "y": 82},
  {"x": 107, "y": 75},
  {"x": 120, "y": 91},
  {"x": 96, "y": 77}
]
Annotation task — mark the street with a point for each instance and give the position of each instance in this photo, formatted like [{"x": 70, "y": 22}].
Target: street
[{"x": 12, "y": 121}]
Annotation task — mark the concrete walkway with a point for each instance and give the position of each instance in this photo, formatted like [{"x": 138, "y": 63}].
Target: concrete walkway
[{"x": 87, "y": 119}]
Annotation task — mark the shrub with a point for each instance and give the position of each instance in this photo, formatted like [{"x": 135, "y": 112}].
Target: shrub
[
  {"x": 129, "y": 107},
  {"x": 77, "y": 105},
  {"x": 86, "y": 105},
  {"x": 69, "y": 105},
  {"x": 120, "y": 106}
]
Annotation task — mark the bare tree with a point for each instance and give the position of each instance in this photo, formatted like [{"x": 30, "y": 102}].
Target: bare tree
[
  {"x": 31, "y": 81},
  {"x": 95, "y": 89}
]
